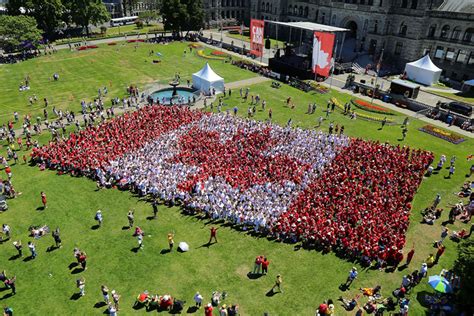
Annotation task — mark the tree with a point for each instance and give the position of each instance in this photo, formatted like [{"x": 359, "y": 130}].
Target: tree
[
  {"x": 195, "y": 16},
  {"x": 47, "y": 13},
  {"x": 173, "y": 13},
  {"x": 464, "y": 267},
  {"x": 18, "y": 33},
  {"x": 148, "y": 16},
  {"x": 86, "y": 12},
  {"x": 181, "y": 15}
]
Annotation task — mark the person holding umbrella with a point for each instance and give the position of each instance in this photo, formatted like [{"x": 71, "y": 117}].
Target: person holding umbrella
[{"x": 440, "y": 284}]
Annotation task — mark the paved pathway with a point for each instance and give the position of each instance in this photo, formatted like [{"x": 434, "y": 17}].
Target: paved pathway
[{"x": 246, "y": 82}]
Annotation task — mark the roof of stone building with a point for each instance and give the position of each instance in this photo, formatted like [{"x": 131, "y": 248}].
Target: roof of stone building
[{"x": 462, "y": 6}]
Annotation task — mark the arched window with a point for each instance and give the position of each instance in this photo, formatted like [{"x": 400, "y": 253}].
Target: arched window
[
  {"x": 403, "y": 29},
  {"x": 468, "y": 35},
  {"x": 414, "y": 4},
  {"x": 456, "y": 33},
  {"x": 267, "y": 7},
  {"x": 333, "y": 22},
  {"x": 432, "y": 31},
  {"x": 444, "y": 31},
  {"x": 301, "y": 11},
  {"x": 366, "y": 25},
  {"x": 404, "y": 3},
  {"x": 290, "y": 9},
  {"x": 295, "y": 10},
  {"x": 306, "y": 12}
]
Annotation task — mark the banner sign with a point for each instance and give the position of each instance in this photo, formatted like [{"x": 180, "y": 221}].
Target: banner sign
[
  {"x": 256, "y": 37},
  {"x": 322, "y": 53}
]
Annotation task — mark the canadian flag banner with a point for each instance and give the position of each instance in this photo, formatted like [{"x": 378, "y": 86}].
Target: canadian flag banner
[
  {"x": 322, "y": 53},
  {"x": 256, "y": 37}
]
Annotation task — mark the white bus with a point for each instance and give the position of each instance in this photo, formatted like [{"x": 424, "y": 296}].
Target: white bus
[{"x": 123, "y": 21}]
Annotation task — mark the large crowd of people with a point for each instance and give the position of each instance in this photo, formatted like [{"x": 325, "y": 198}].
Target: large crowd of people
[{"x": 323, "y": 189}]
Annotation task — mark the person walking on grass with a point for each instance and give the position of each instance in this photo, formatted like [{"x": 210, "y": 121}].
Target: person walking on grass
[
  {"x": 32, "y": 248},
  {"x": 140, "y": 241},
  {"x": 43, "y": 200},
  {"x": 171, "y": 241},
  {"x": 81, "y": 285},
  {"x": 198, "y": 300},
  {"x": 116, "y": 299},
  {"x": 383, "y": 122},
  {"x": 98, "y": 217},
  {"x": 213, "y": 235},
  {"x": 57, "y": 238},
  {"x": 351, "y": 277},
  {"x": 105, "y": 294},
  {"x": 410, "y": 255},
  {"x": 265, "y": 264},
  {"x": 154, "y": 204},
  {"x": 278, "y": 283},
  {"x": 18, "y": 247},
  {"x": 131, "y": 218},
  {"x": 257, "y": 265}
]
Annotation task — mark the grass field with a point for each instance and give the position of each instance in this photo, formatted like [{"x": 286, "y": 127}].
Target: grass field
[
  {"x": 46, "y": 286},
  {"x": 246, "y": 38},
  {"x": 83, "y": 72}
]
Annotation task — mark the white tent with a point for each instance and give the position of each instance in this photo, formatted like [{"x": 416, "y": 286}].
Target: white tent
[
  {"x": 423, "y": 71},
  {"x": 206, "y": 79}
]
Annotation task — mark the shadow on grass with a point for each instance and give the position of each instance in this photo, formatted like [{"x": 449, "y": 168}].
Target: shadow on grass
[
  {"x": 6, "y": 296},
  {"x": 99, "y": 304},
  {"x": 51, "y": 248},
  {"x": 164, "y": 251},
  {"x": 95, "y": 227},
  {"x": 29, "y": 258},
  {"x": 135, "y": 249},
  {"x": 125, "y": 227},
  {"x": 150, "y": 218},
  {"x": 73, "y": 265},
  {"x": 192, "y": 309},
  {"x": 77, "y": 271},
  {"x": 420, "y": 297},
  {"x": 254, "y": 276},
  {"x": 14, "y": 257},
  {"x": 75, "y": 296},
  {"x": 270, "y": 293},
  {"x": 40, "y": 208},
  {"x": 138, "y": 306}
]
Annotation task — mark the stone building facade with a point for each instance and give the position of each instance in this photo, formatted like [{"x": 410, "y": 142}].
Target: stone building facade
[{"x": 404, "y": 29}]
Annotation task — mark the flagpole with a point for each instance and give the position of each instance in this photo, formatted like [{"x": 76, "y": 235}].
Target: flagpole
[
  {"x": 242, "y": 36},
  {"x": 377, "y": 76}
]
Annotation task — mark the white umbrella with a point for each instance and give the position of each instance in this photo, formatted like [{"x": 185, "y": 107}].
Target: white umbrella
[{"x": 183, "y": 246}]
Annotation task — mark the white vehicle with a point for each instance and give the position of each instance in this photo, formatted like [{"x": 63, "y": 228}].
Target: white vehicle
[{"x": 123, "y": 21}]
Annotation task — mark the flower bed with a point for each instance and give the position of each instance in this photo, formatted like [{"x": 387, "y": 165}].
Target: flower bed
[
  {"x": 195, "y": 45},
  {"x": 112, "y": 44},
  {"x": 318, "y": 88},
  {"x": 135, "y": 41},
  {"x": 218, "y": 53},
  {"x": 362, "y": 115},
  {"x": 443, "y": 134},
  {"x": 203, "y": 55},
  {"x": 87, "y": 47},
  {"x": 364, "y": 105}
]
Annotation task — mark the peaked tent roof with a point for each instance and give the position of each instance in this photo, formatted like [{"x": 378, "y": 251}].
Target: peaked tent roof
[
  {"x": 425, "y": 63},
  {"x": 208, "y": 74}
]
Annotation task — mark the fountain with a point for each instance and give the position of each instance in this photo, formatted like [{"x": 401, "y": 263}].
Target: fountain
[
  {"x": 174, "y": 94},
  {"x": 174, "y": 84}
]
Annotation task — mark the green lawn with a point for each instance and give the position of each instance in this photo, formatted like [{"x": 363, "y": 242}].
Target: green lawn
[
  {"x": 46, "y": 285},
  {"x": 246, "y": 38},
  {"x": 132, "y": 28},
  {"x": 83, "y": 72}
]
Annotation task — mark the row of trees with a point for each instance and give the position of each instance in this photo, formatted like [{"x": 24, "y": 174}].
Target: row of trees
[{"x": 50, "y": 14}]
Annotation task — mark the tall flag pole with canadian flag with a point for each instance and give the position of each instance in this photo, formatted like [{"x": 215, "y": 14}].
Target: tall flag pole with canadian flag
[
  {"x": 323, "y": 45},
  {"x": 256, "y": 37}
]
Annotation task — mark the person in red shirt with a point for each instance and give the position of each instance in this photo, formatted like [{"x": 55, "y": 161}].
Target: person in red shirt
[
  {"x": 440, "y": 252},
  {"x": 265, "y": 264},
  {"x": 213, "y": 235},
  {"x": 43, "y": 199},
  {"x": 208, "y": 310}
]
